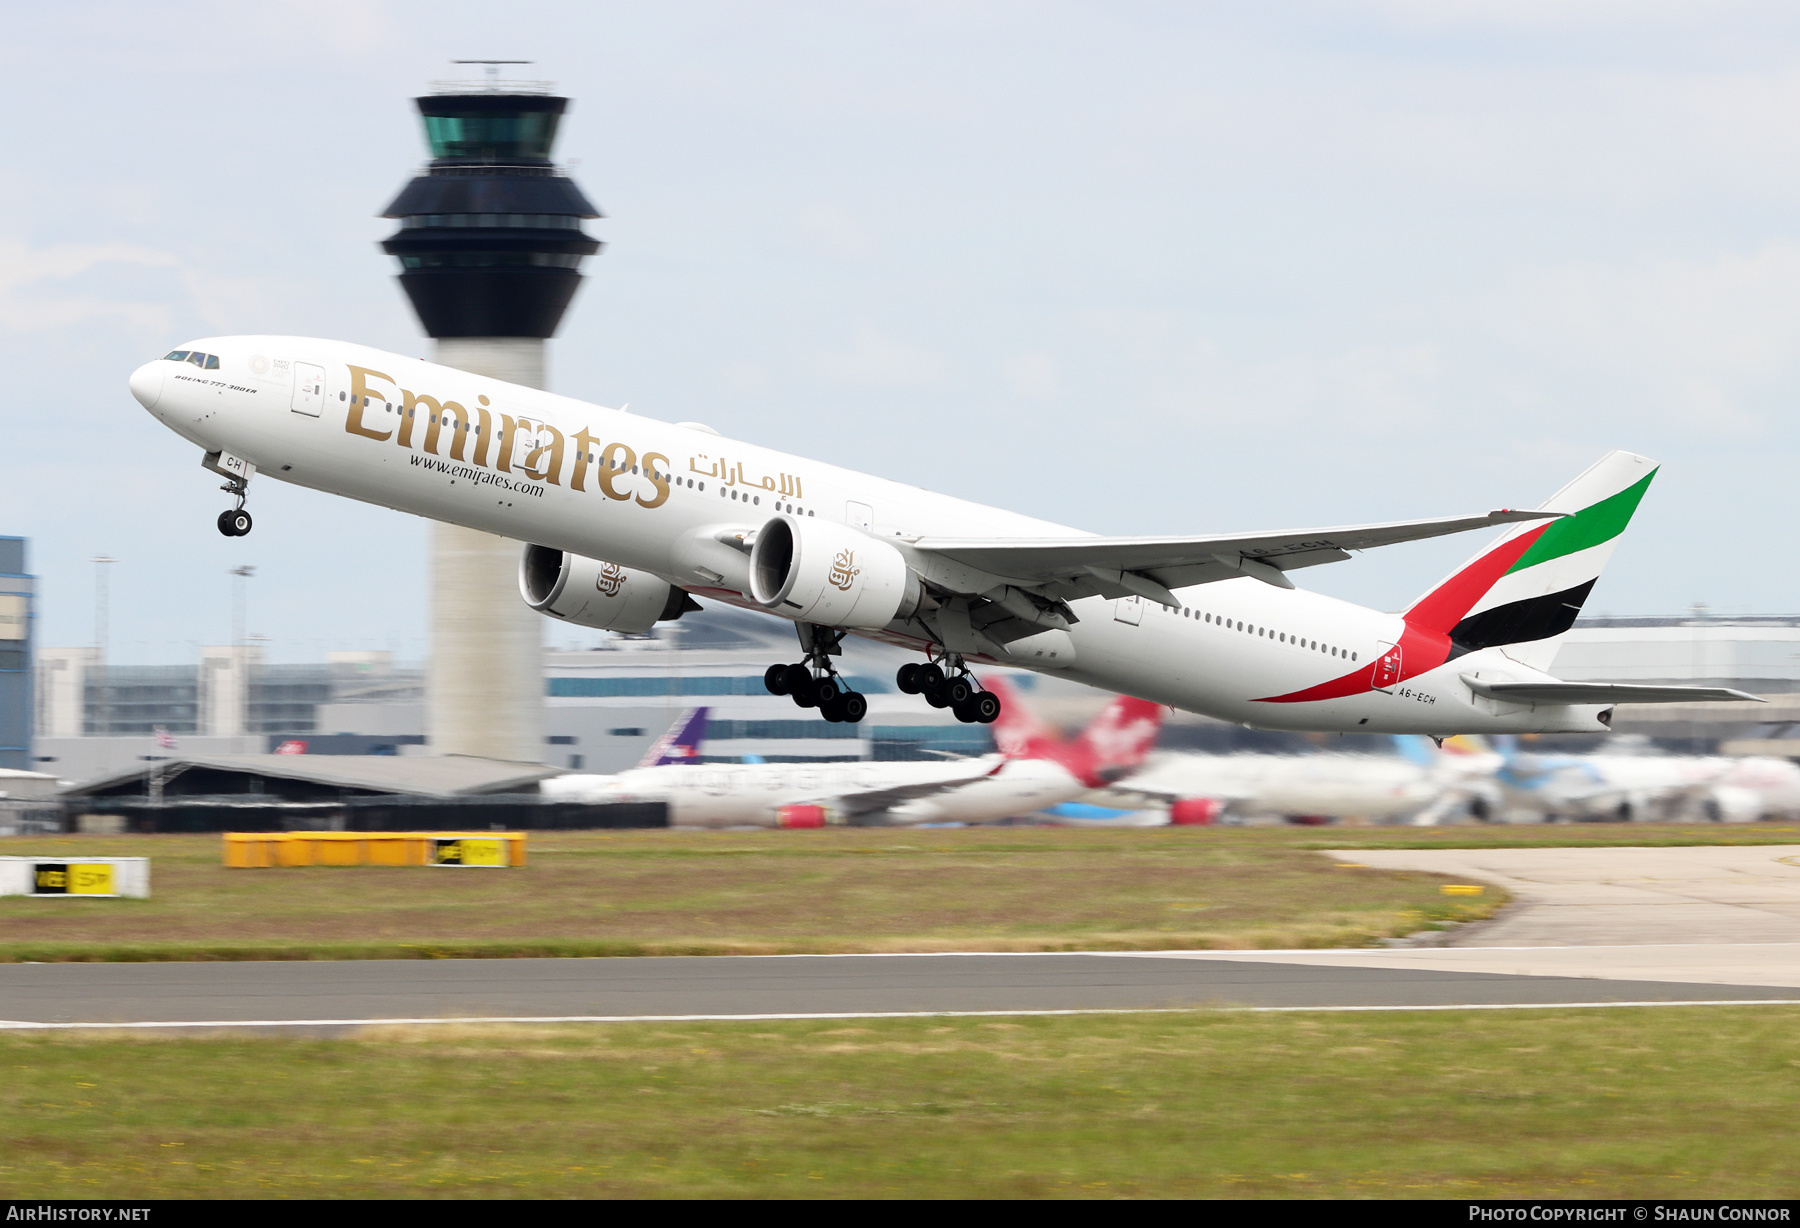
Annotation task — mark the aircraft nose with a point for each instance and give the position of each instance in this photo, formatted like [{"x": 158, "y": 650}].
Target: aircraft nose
[{"x": 147, "y": 384}]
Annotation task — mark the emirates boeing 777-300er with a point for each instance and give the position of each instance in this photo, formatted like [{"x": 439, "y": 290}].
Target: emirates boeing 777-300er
[{"x": 623, "y": 517}]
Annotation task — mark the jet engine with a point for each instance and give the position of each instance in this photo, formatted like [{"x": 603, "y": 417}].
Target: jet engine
[
  {"x": 819, "y": 572},
  {"x": 1732, "y": 804},
  {"x": 1195, "y": 812},
  {"x": 590, "y": 593}
]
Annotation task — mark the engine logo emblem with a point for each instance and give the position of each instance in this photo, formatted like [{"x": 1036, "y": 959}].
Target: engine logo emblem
[
  {"x": 610, "y": 580},
  {"x": 844, "y": 570}
]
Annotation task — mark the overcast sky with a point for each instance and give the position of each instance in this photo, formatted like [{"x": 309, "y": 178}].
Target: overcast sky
[{"x": 1138, "y": 268}]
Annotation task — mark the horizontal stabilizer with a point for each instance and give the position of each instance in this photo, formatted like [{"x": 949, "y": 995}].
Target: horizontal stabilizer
[{"x": 1604, "y": 693}]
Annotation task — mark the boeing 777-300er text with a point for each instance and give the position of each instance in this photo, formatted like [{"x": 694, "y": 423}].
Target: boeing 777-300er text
[
  {"x": 1031, "y": 773},
  {"x": 626, "y": 516}
]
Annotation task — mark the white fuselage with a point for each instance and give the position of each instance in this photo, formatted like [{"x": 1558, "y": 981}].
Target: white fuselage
[
  {"x": 1368, "y": 786},
  {"x": 1642, "y": 786},
  {"x": 389, "y": 451},
  {"x": 754, "y": 794}
]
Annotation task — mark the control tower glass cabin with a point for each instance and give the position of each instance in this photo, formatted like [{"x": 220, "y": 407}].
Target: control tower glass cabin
[{"x": 490, "y": 241}]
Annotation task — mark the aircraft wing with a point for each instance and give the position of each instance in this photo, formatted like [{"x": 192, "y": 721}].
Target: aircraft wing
[
  {"x": 867, "y": 801},
  {"x": 1158, "y": 792},
  {"x": 1071, "y": 567},
  {"x": 1603, "y": 693}
]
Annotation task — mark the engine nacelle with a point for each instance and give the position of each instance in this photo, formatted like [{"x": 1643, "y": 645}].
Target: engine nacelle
[
  {"x": 1195, "y": 812},
  {"x": 590, "y": 593},
  {"x": 801, "y": 816},
  {"x": 1733, "y": 804},
  {"x": 819, "y": 572}
]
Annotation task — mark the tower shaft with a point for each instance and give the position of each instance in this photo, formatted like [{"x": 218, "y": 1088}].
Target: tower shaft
[{"x": 484, "y": 690}]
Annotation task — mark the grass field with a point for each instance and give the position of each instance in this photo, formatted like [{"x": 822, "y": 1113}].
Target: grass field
[
  {"x": 838, "y": 890},
  {"x": 1668, "y": 1102},
  {"x": 592, "y": 893}
]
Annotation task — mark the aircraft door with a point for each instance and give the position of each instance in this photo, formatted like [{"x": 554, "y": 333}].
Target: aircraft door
[
  {"x": 309, "y": 389},
  {"x": 1129, "y": 610},
  {"x": 526, "y": 442},
  {"x": 1387, "y": 670},
  {"x": 860, "y": 516}
]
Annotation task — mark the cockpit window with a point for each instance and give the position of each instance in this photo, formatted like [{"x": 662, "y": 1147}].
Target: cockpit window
[
  {"x": 212, "y": 362},
  {"x": 197, "y": 358},
  {"x": 175, "y": 356}
]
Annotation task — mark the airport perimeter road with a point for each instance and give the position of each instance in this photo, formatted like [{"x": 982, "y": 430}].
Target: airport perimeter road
[
  {"x": 350, "y": 991},
  {"x": 1622, "y": 896}
]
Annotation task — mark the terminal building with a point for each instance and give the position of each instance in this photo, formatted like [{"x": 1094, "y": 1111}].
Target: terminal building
[
  {"x": 18, "y": 592},
  {"x": 603, "y": 707},
  {"x": 1755, "y": 653}
]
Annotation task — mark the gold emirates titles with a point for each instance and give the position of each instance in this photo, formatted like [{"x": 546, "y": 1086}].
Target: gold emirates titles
[{"x": 543, "y": 462}]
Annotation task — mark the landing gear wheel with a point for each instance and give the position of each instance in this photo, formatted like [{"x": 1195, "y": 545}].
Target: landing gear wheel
[
  {"x": 935, "y": 697},
  {"x": 928, "y": 678},
  {"x": 958, "y": 691},
  {"x": 986, "y": 707},
  {"x": 234, "y": 523},
  {"x": 814, "y": 683},
  {"x": 965, "y": 712},
  {"x": 907, "y": 679},
  {"x": 775, "y": 679},
  {"x": 796, "y": 680}
]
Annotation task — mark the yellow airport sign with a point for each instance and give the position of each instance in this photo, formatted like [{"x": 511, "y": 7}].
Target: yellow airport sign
[{"x": 267, "y": 850}]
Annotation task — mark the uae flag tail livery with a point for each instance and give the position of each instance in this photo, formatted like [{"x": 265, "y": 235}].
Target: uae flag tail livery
[
  {"x": 1524, "y": 591},
  {"x": 1519, "y": 597}
]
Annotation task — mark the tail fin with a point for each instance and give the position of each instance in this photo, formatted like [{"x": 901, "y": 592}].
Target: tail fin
[
  {"x": 681, "y": 744},
  {"x": 1116, "y": 741},
  {"x": 1525, "y": 590},
  {"x": 1018, "y": 733},
  {"x": 1113, "y": 744}
]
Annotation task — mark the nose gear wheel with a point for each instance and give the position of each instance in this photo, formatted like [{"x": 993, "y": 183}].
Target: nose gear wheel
[{"x": 236, "y": 522}]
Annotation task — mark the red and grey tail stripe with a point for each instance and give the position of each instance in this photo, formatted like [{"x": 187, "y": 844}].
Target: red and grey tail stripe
[{"x": 1439, "y": 627}]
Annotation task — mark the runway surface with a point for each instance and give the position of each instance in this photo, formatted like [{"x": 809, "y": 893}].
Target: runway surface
[
  {"x": 342, "y": 993},
  {"x": 1608, "y": 897},
  {"x": 1589, "y": 927}
]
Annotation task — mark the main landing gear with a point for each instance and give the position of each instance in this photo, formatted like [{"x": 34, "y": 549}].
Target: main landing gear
[
  {"x": 236, "y": 522},
  {"x": 956, "y": 690},
  {"x": 813, "y": 683}
]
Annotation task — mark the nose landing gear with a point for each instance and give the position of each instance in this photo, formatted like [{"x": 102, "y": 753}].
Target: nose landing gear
[
  {"x": 237, "y": 473},
  {"x": 236, "y": 522}
]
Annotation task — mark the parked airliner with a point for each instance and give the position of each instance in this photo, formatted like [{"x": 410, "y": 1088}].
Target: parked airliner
[
  {"x": 624, "y": 517},
  {"x": 1028, "y": 775}
]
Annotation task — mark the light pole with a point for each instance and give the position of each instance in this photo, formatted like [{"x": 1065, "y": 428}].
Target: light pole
[
  {"x": 240, "y": 668},
  {"x": 102, "y": 684}
]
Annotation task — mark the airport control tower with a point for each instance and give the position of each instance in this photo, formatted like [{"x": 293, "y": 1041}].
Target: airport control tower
[{"x": 490, "y": 246}]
